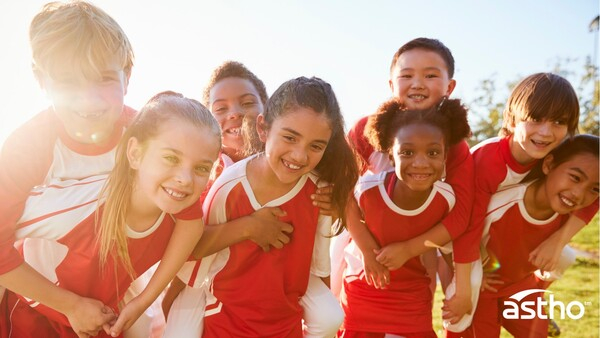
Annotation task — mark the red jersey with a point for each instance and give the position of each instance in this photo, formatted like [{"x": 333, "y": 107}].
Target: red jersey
[
  {"x": 507, "y": 219},
  {"x": 39, "y": 153},
  {"x": 251, "y": 292},
  {"x": 496, "y": 169},
  {"x": 404, "y": 306},
  {"x": 61, "y": 242},
  {"x": 459, "y": 174}
]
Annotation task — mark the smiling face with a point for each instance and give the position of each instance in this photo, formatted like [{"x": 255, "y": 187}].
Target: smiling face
[
  {"x": 172, "y": 169},
  {"x": 534, "y": 139},
  {"x": 295, "y": 143},
  {"x": 573, "y": 184},
  {"x": 419, "y": 155},
  {"x": 88, "y": 108},
  {"x": 420, "y": 79},
  {"x": 231, "y": 99}
]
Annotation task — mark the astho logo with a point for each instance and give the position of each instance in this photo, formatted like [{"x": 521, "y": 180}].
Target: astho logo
[{"x": 530, "y": 309}]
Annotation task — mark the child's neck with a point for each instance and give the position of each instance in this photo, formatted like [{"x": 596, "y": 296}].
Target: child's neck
[
  {"x": 266, "y": 186},
  {"x": 408, "y": 199},
  {"x": 536, "y": 201},
  {"x": 141, "y": 217},
  {"x": 519, "y": 154}
]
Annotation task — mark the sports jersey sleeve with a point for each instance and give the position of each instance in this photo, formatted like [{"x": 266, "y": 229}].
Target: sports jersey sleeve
[
  {"x": 459, "y": 174},
  {"x": 487, "y": 180},
  {"x": 361, "y": 145},
  {"x": 192, "y": 212},
  {"x": 24, "y": 161},
  {"x": 321, "y": 263},
  {"x": 587, "y": 214}
]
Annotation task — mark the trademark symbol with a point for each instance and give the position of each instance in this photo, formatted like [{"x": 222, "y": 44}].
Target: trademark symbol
[{"x": 587, "y": 303}]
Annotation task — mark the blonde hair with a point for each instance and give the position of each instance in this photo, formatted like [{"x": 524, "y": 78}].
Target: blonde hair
[
  {"x": 116, "y": 194},
  {"x": 79, "y": 36}
]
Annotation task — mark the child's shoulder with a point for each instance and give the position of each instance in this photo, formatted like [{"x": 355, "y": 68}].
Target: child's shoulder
[
  {"x": 39, "y": 131},
  {"x": 492, "y": 143}
]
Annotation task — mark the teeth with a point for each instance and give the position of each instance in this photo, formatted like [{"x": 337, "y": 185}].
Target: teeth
[
  {"x": 291, "y": 166},
  {"x": 234, "y": 131},
  {"x": 417, "y": 97},
  {"x": 566, "y": 201},
  {"x": 540, "y": 143},
  {"x": 420, "y": 177},
  {"x": 174, "y": 193},
  {"x": 89, "y": 115}
]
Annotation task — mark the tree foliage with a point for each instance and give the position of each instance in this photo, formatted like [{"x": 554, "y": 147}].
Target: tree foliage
[{"x": 488, "y": 105}]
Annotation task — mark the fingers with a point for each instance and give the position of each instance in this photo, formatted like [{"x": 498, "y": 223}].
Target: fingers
[{"x": 277, "y": 212}]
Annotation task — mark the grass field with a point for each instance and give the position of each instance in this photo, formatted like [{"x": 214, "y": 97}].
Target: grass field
[{"x": 580, "y": 282}]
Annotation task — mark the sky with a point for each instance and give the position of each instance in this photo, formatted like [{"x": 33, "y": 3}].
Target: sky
[{"x": 348, "y": 43}]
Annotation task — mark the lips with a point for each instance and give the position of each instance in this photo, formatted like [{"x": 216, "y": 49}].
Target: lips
[
  {"x": 417, "y": 97},
  {"x": 540, "y": 144},
  {"x": 420, "y": 177},
  {"x": 566, "y": 201},
  {"x": 233, "y": 131}
]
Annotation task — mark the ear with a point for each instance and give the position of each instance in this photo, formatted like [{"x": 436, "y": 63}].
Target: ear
[
  {"x": 39, "y": 77},
  {"x": 134, "y": 153},
  {"x": 261, "y": 128},
  {"x": 547, "y": 163},
  {"x": 125, "y": 82},
  {"x": 391, "y": 84},
  {"x": 451, "y": 86}
]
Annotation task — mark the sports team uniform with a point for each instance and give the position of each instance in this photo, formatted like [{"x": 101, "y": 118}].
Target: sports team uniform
[
  {"x": 255, "y": 293},
  {"x": 507, "y": 219},
  {"x": 403, "y": 308},
  {"x": 40, "y": 153},
  {"x": 495, "y": 170},
  {"x": 58, "y": 228},
  {"x": 459, "y": 174}
]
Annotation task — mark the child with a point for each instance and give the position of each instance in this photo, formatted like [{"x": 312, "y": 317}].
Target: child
[
  {"x": 532, "y": 212},
  {"x": 159, "y": 171},
  {"x": 82, "y": 59},
  {"x": 236, "y": 96},
  {"x": 541, "y": 111},
  {"x": 396, "y": 206},
  {"x": 421, "y": 74},
  {"x": 257, "y": 293}
]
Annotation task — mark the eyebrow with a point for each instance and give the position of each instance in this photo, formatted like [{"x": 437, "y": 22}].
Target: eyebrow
[
  {"x": 205, "y": 161},
  {"x": 579, "y": 171},
  {"x": 290, "y": 130},
  {"x": 241, "y": 97},
  {"x": 426, "y": 68}
]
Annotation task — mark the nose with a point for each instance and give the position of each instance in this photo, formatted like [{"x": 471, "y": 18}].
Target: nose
[
  {"x": 299, "y": 155},
  {"x": 87, "y": 99},
  {"x": 545, "y": 128},
  {"x": 184, "y": 176},
  {"x": 420, "y": 161},
  {"x": 236, "y": 112},
  {"x": 417, "y": 82}
]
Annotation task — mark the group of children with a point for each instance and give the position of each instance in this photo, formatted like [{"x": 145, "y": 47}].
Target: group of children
[{"x": 102, "y": 205}]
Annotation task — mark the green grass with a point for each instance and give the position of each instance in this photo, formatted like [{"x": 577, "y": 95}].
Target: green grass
[{"x": 580, "y": 282}]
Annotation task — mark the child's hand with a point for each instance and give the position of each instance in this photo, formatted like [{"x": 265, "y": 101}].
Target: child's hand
[
  {"x": 322, "y": 199},
  {"x": 392, "y": 256},
  {"x": 89, "y": 316},
  {"x": 546, "y": 256},
  {"x": 267, "y": 229},
  {"x": 376, "y": 274},
  {"x": 490, "y": 279},
  {"x": 456, "y": 307},
  {"x": 129, "y": 314}
]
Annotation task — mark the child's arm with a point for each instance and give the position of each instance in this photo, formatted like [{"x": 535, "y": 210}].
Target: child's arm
[
  {"x": 460, "y": 304},
  {"x": 85, "y": 315},
  {"x": 322, "y": 199},
  {"x": 262, "y": 227},
  {"x": 546, "y": 256},
  {"x": 182, "y": 242},
  {"x": 376, "y": 274}
]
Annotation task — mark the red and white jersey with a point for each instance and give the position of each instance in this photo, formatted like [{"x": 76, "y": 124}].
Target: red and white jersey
[
  {"x": 40, "y": 153},
  {"x": 255, "y": 293},
  {"x": 495, "y": 170},
  {"x": 459, "y": 174},
  {"x": 510, "y": 234},
  {"x": 407, "y": 300},
  {"x": 58, "y": 226}
]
